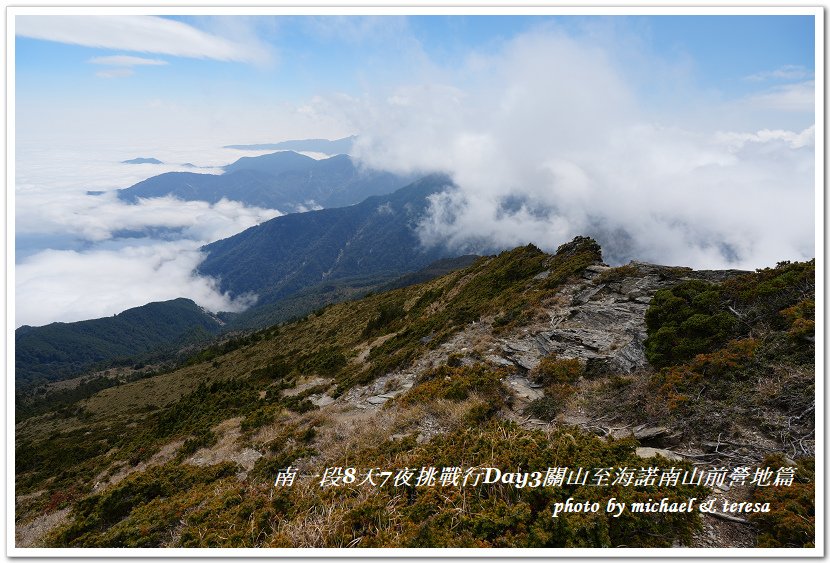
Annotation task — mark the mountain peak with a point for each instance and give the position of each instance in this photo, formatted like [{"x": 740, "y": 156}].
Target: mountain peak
[
  {"x": 274, "y": 163},
  {"x": 142, "y": 160}
]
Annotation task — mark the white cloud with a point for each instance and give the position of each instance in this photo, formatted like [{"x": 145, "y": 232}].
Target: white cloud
[
  {"x": 125, "y": 61},
  {"x": 786, "y": 72},
  {"x": 71, "y": 286},
  {"x": 796, "y": 97},
  {"x": 793, "y": 139},
  {"x": 115, "y": 274},
  {"x": 103, "y": 274},
  {"x": 557, "y": 145},
  {"x": 146, "y": 34},
  {"x": 97, "y": 218}
]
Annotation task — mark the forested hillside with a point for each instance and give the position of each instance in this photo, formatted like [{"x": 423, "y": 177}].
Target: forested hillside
[{"x": 61, "y": 350}]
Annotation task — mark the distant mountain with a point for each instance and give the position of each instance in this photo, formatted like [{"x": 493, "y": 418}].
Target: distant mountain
[
  {"x": 283, "y": 180},
  {"x": 339, "y": 146},
  {"x": 141, "y": 160},
  {"x": 295, "y": 264},
  {"x": 249, "y": 187},
  {"x": 275, "y": 163},
  {"x": 61, "y": 350},
  {"x": 346, "y": 245}
]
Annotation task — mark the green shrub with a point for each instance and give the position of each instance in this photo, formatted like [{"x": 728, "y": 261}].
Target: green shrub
[
  {"x": 791, "y": 521},
  {"x": 387, "y": 314},
  {"x": 552, "y": 370},
  {"x": 544, "y": 408},
  {"x": 457, "y": 384},
  {"x": 97, "y": 517},
  {"x": 571, "y": 258},
  {"x": 686, "y": 320},
  {"x": 258, "y": 418},
  {"x": 617, "y": 274},
  {"x": 202, "y": 438}
]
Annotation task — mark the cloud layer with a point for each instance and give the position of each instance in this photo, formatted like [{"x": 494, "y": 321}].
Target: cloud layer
[
  {"x": 67, "y": 285},
  {"x": 547, "y": 140},
  {"x": 102, "y": 255},
  {"x": 547, "y": 136},
  {"x": 146, "y": 34}
]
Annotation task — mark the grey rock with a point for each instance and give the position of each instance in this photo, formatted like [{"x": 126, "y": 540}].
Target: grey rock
[
  {"x": 247, "y": 458},
  {"x": 597, "y": 268},
  {"x": 652, "y": 452},
  {"x": 651, "y": 432},
  {"x": 320, "y": 400},
  {"x": 498, "y": 360},
  {"x": 523, "y": 388},
  {"x": 585, "y": 296}
]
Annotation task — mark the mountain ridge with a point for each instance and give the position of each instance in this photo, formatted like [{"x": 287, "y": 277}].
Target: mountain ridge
[
  {"x": 285, "y": 180},
  {"x": 325, "y": 146},
  {"x": 283, "y": 255},
  {"x": 61, "y": 350}
]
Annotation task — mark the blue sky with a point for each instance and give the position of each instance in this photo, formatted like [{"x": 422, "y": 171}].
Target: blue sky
[
  {"x": 692, "y": 135},
  {"x": 296, "y": 58}
]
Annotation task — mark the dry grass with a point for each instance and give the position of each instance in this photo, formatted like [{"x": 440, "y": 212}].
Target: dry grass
[
  {"x": 118, "y": 472},
  {"x": 30, "y": 533}
]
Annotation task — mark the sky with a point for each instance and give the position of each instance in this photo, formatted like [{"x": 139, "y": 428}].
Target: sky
[{"x": 685, "y": 140}]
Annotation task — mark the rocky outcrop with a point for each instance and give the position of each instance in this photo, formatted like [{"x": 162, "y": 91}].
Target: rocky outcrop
[{"x": 599, "y": 320}]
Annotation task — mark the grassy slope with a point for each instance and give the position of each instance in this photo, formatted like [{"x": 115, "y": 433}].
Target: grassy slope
[{"x": 60, "y": 455}]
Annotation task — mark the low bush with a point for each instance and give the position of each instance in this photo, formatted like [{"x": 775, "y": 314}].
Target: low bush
[{"x": 791, "y": 521}]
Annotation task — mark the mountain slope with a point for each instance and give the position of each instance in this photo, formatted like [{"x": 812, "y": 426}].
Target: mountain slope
[
  {"x": 253, "y": 188},
  {"x": 283, "y": 180},
  {"x": 327, "y": 293},
  {"x": 523, "y": 362},
  {"x": 61, "y": 350},
  {"x": 287, "y": 254}
]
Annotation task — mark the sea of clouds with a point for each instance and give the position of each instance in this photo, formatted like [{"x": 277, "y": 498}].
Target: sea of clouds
[
  {"x": 555, "y": 136},
  {"x": 82, "y": 256},
  {"x": 547, "y": 136}
]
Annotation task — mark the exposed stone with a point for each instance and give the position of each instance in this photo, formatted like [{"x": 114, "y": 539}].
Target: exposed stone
[
  {"x": 523, "y": 388},
  {"x": 31, "y": 533},
  {"x": 652, "y": 452},
  {"x": 247, "y": 458},
  {"x": 498, "y": 360},
  {"x": 585, "y": 296},
  {"x": 597, "y": 268},
  {"x": 651, "y": 433},
  {"x": 320, "y": 400}
]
